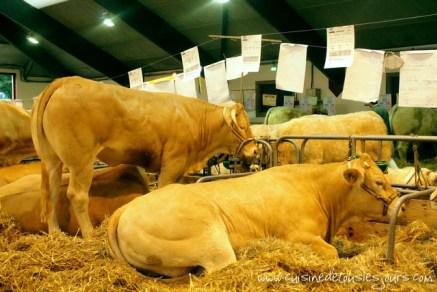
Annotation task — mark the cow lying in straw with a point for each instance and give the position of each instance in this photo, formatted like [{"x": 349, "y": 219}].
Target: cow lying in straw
[
  {"x": 111, "y": 188},
  {"x": 15, "y": 137},
  {"x": 407, "y": 175},
  {"x": 177, "y": 228},
  {"x": 11, "y": 173},
  {"x": 76, "y": 120}
]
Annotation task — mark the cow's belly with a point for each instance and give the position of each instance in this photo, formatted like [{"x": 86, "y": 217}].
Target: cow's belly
[{"x": 148, "y": 160}]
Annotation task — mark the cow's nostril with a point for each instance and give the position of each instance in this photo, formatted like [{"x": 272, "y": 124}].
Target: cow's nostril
[{"x": 403, "y": 209}]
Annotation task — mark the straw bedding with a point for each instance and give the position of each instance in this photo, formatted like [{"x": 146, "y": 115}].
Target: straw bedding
[{"x": 64, "y": 263}]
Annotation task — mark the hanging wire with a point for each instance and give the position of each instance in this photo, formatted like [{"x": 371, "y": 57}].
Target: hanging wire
[
  {"x": 290, "y": 32},
  {"x": 356, "y": 25},
  {"x": 163, "y": 59}
]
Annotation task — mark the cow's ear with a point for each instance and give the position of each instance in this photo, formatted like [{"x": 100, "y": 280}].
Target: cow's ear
[{"x": 352, "y": 175}]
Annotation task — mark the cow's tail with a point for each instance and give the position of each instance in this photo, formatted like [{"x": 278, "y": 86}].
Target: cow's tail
[
  {"x": 391, "y": 114},
  {"x": 40, "y": 141},
  {"x": 114, "y": 248}
]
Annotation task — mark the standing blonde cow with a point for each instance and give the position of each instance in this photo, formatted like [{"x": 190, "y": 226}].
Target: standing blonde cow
[
  {"x": 175, "y": 229},
  {"x": 76, "y": 120},
  {"x": 15, "y": 136},
  {"x": 324, "y": 151}
]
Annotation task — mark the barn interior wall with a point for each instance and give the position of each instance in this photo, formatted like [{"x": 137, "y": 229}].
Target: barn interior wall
[{"x": 27, "y": 90}]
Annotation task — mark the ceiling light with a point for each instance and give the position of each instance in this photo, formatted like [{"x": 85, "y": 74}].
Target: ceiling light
[
  {"x": 222, "y": 1},
  {"x": 108, "y": 22},
  {"x": 273, "y": 68},
  {"x": 43, "y": 3},
  {"x": 32, "y": 40}
]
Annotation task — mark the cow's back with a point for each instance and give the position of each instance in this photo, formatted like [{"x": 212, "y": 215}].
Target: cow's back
[
  {"x": 323, "y": 151},
  {"x": 282, "y": 114},
  {"x": 414, "y": 121},
  {"x": 9, "y": 174}
]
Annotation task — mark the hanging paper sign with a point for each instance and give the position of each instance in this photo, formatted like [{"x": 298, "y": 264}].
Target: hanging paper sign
[
  {"x": 216, "y": 83},
  {"x": 289, "y": 100},
  {"x": 269, "y": 99},
  {"x": 329, "y": 105},
  {"x": 304, "y": 105},
  {"x": 418, "y": 79},
  {"x": 290, "y": 75},
  {"x": 136, "y": 78},
  {"x": 340, "y": 46},
  {"x": 191, "y": 63},
  {"x": 234, "y": 68},
  {"x": 185, "y": 87},
  {"x": 251, "y": 52},
  {"x": 363, "y": 79},
  {"x": 249, "y": 100}
]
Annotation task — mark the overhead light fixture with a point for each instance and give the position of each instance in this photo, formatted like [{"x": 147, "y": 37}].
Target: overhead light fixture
[
  {"x": 32, "y": 40},
  {"x": 273, "y": 68},
  {"x": 222, "y": 1},
  {"x": 43, "y": 3},
  {"x": 108, "y": 22}
]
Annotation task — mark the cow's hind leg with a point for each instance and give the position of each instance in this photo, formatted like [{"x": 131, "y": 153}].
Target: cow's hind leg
[
  {"x": 77, "y": 194},
  {"x": 51, "y": 184}
]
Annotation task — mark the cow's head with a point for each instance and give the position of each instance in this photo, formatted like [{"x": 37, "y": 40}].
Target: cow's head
[
  {"x": 372, "y": 195},
  {"x": 236, "y": 118}
]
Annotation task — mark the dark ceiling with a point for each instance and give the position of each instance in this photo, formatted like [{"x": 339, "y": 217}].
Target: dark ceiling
[{"x": 152, "y": 33}]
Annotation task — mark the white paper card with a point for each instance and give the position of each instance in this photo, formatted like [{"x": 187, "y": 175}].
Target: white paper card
[
  {"x": 418, "y": 79},
  {"x": 136, "y": 78},
  {"x": 290, "y": 75},
  {"x": 329, "y": 105},
  {"x": 251, "y": 52},
  {"x": 340, "y": 46},
  {"x": 289, "y": 100},
  {"x": 185, "y": 87},
  {"x": 363, "y": 79},
  {"x": 234, "y": 68},
  {"x": 216, "y": 83},
  {"x": 269, "y": 99},
  {"x": 167, "y": 86},
  {"x": 191, "y": 63}
]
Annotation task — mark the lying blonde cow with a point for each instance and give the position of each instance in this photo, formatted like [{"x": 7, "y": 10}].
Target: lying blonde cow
[
  {"x": 406, "y": 175},
  {"x": 111, "y": 188},
  {"x": 76, "y": 120},
  {"x": 179, "y": 227},
  {"x": 15, "y": 137},
  {"x": 11, "y": 173},
  {"x": 324, "y": 151}
]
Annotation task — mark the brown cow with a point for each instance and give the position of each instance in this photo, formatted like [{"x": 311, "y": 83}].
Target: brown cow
[
  {"x": 76, "y": 120},
  {"x": 111, "y": 188},
  {"x": 11, "y": 173},
  {"x": 177, "y": 228},
  {"x": 15, "y": 137},
  {"x": 323, "y": 151}
]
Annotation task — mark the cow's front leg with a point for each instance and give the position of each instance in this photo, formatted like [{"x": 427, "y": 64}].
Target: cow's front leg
[
  {"x": 172, "y": 169},
  {"x": 319, "y": 245}
]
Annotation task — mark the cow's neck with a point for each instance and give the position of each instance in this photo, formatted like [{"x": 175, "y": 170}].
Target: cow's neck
[
  {"x": 334, "y": 199},
  {"x": 214, "y": 135}
]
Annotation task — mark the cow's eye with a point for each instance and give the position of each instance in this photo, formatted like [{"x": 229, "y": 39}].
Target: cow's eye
[{"x": 379, "y": 182}]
